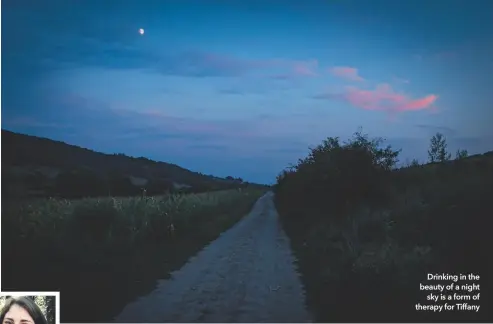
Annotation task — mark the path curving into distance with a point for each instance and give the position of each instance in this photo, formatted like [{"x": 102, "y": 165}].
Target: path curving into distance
[{"x": 245, "y": 275}]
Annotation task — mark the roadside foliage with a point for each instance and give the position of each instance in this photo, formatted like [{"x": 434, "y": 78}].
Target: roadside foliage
[{"x": 367, "y": 233}]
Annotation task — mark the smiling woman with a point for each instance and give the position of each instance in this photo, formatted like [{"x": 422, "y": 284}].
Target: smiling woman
[{"x": 19, "y": 310}]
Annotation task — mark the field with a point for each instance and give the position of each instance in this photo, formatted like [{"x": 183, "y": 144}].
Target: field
[
  {"x": 103, "y": 252},
  {"x": 362, "y": 259}
]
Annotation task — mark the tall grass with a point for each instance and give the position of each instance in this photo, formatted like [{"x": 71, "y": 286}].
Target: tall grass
[{"x": 110, "y": 244}]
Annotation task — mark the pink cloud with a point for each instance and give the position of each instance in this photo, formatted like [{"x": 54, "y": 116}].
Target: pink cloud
[
  {"x": 298, "y": 69},
  {"x": 303, "y": 70},
  {"x": 383, "y": 98},
  {"x": 306, "y": 68},
  {"x": 346, "y": 72}
]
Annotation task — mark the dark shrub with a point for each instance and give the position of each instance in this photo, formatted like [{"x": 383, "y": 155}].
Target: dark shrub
[{"x": 335, "y": 177}]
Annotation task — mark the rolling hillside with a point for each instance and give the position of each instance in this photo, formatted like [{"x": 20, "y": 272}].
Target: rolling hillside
[{"x": 34, "y": 166}]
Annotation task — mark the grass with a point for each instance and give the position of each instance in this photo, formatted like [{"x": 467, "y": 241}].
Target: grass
[
  {"x": 104, "y": 252},
  {"x": 366, "y": 266}
]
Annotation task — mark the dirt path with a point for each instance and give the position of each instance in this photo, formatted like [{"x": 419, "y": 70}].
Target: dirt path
[{"x": 246, "y": 275}]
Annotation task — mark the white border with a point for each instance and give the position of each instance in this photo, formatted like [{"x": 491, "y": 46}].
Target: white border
[{"x": 38, "y": 293}]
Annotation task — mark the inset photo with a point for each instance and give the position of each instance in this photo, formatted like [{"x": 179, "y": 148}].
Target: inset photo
[{"x": 29, "y": 307}]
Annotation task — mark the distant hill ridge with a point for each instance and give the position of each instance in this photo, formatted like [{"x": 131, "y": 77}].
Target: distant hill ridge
[{"x": 38, "y": 164}]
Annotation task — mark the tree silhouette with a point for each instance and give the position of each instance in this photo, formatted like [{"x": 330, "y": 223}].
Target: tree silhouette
[
  {"x": 438, "y": 149},
  {"x": 461, "y": 154}
]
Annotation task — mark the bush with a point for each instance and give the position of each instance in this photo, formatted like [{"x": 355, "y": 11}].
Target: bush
[
  {"x": 338, "y": 176},
  {"x": 461, "y": 154}
]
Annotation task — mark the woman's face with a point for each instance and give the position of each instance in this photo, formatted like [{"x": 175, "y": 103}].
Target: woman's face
[{"x": 17, "y": 315}]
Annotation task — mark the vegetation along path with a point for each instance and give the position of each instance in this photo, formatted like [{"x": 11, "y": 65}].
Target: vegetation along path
[{"x": 246, "y": 275}]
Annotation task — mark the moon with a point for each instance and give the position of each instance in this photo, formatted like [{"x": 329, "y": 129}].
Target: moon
[{"x": 141, "y": 31}]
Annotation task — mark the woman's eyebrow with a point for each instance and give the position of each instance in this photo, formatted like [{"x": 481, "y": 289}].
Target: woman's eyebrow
[{"x": 22, "y": 320}]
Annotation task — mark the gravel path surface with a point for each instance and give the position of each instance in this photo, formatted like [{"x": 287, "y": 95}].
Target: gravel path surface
[{"x": 245, "y": 275}]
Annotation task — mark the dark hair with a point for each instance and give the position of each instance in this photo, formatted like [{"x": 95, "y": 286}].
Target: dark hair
[{"x": 28, "y": 304}]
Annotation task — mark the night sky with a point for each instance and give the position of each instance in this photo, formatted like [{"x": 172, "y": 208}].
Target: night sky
[{"x": 243, "y": 88}]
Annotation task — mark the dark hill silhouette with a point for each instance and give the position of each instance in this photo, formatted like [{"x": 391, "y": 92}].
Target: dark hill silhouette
[{"x": 35, "y": 166}]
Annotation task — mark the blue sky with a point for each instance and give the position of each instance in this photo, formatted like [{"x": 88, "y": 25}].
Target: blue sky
[{"x": 243, "y": 88}]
